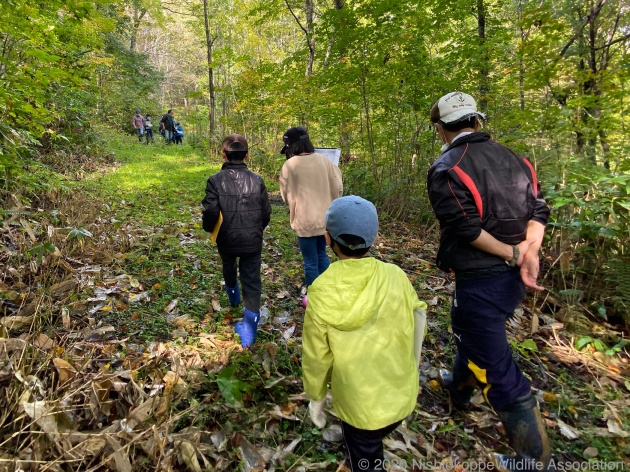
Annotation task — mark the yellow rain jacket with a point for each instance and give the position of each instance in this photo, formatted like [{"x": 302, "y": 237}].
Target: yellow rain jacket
[{"x": 359, "y": 335}]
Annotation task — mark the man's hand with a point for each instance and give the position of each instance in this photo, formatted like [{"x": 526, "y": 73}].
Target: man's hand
[
  {"x": 523, "y": 247},
  {"x": 316, "y": 410},
  {"x": 529, "y": 270}
]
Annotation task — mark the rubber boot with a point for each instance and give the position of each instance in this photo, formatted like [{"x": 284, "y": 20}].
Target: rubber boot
[
  {"x": 234, "y": 294},
  {"x": 527, "y": 436},
  {"x": 247, "y": 328},
  {"x": 459, "y": 395},
  {"x": 460, "y": 384}
]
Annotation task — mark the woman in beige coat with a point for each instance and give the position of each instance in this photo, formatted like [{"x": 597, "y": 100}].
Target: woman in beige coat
[{"x": 309, "y": 182}]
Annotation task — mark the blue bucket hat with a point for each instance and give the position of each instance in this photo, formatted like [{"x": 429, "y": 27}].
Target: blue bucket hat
[{"x": 354, "y": 216}]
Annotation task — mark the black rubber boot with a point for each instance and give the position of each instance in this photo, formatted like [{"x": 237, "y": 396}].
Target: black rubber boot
[
  {"x": 460, "y": 384},
  {"x": 527, "y": 436}
]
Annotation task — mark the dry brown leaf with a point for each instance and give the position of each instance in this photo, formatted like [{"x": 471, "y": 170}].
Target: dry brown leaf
[
  {"x": 65, "y": 369},
  {"x": 90, "y": 447},
  {"x": 42, "y": 413},
  {"x": 175, "y": 382},
  {"x": 44, "y": 342},
  {"x": 62, "y": 289},
  {"x": 12, "y": 344},
  {"x": 16, "y": 322},
  {"x": 568, "y": 431},
  {"x": 142, "y": 412},
  {"x": 216, "y": 306},
  {"x": 119, "y": 455},
  {"x": 248, "y": 452},
  {"x": 189, "y": 456},
  {"x": 171, "y": 306}
]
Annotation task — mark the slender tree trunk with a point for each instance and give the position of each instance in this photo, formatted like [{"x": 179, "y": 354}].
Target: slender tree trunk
[
  {"x": 484, "y": 69},
  {"x": 310, "y": 37},
  {"x": 138, "y": 14},
  {"x": 209, "y": 43}
]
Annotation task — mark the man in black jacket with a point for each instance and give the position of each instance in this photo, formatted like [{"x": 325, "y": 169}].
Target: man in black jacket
[
  {"x": 492, "y": 220},
  {"x": 167, "y": 126},
  {"x": 240, "y": 197}
]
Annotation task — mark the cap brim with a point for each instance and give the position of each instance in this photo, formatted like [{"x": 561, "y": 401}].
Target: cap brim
[
  {"x": 283, "y": 150},
  {"x": 462, "y": 115}
]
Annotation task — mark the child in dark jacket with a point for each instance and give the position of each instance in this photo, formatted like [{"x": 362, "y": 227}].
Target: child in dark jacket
[{"x": 240, "y": 196}]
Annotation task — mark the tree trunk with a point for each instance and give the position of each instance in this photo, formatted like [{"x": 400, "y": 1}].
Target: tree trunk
[
  {"x": 484, "y": 69},
  {"x": 138, "y": 14},
  {"x": 209, "y": 43},
  {"x": 310, "y": 38}
]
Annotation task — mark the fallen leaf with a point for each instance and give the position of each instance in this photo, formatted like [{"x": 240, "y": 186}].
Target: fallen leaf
[
  {"x": 120, "y": 457},
  {"x": 12, "y": 344},
  {"x": 567, "y": 431},
  {"x": 216, "y": 306},
  {"x": 171, "y": 306},
  {"x": 42, "y": 413},
  {"x": 44, "y": 342},
  {"x": 248, "y": 452},
  {"x": 590, "y": 452},
  {"x": 189, "y": 456},
  {"x": 16, "y": 322},
  {"x": 615, "y": 428},
  {"x": 65, "y": 369}
]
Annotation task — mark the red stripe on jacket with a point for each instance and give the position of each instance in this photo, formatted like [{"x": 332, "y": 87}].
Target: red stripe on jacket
[
  {"x": 468, "y": 182},
  {"x": 535, "y": 180}
]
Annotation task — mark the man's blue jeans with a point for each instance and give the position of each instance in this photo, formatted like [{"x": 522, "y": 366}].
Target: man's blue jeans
[{"x": 316, "y": 260}]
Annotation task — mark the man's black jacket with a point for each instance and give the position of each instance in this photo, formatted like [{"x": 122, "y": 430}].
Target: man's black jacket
[
  {"x": 479, "y": 184},
  {"x": 242, "y": 197}
]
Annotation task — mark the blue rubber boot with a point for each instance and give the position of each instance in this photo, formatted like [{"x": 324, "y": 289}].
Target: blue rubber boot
[
  {"x": 234, "y": 294},
  {"x": 247, "y": 328}
]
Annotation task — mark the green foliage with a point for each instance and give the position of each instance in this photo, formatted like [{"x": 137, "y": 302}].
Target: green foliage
[
  {"x": 78, "y": 234},
  {"x": 230, "y": 387},
  {"x": 40, "y": 250},
  {"x": 600, "y": 345}
]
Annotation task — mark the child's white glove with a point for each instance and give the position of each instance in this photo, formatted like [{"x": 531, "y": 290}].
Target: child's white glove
[
  {"x": 420, "y": 329},
  {"x": 316, "y": 410}
]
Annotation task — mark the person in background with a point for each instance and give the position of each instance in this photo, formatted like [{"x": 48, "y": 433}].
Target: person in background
[
  {"x": 363, "y": 333},
  {"x": 138, "y": 124},
  {"x": 179, "y": 133},
  {"x": 167, "y": 126},
  {"x": 309, "y": 182},
  {"x": 148, "y": 128},
  {"x": 492, "y": 218},
  {"x": 240, "y": 197}
]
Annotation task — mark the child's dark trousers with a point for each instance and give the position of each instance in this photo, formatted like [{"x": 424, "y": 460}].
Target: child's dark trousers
[
  {"x": 249, "y": 271},
  {"x": 365, "y": 447}
]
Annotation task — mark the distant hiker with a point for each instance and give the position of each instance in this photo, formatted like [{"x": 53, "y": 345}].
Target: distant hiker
[
  {"x": 138, "y": 124},
  {"x": 179, "y": 133},
  {"x": 167, "y": 126},
  {"x": 363, "y": 333},
  {"x": 492, "y": 218},
  {"x": 309, "y": 182},
  {"x": 239, "y": 197},
  {"x": 148, "y": 128}
]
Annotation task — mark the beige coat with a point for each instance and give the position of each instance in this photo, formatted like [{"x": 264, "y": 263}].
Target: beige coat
[{"x": 308, "y": 184}]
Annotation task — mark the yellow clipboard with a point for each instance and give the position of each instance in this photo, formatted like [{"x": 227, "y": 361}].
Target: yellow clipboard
[{"x": 215, "y": 230}]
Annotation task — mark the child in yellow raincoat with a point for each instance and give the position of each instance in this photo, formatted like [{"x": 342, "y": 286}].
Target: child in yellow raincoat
[{"x": 363, "y": 333}]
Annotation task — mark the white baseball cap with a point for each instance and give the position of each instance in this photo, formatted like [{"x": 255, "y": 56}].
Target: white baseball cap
[{"x": 453, "y": 107}]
